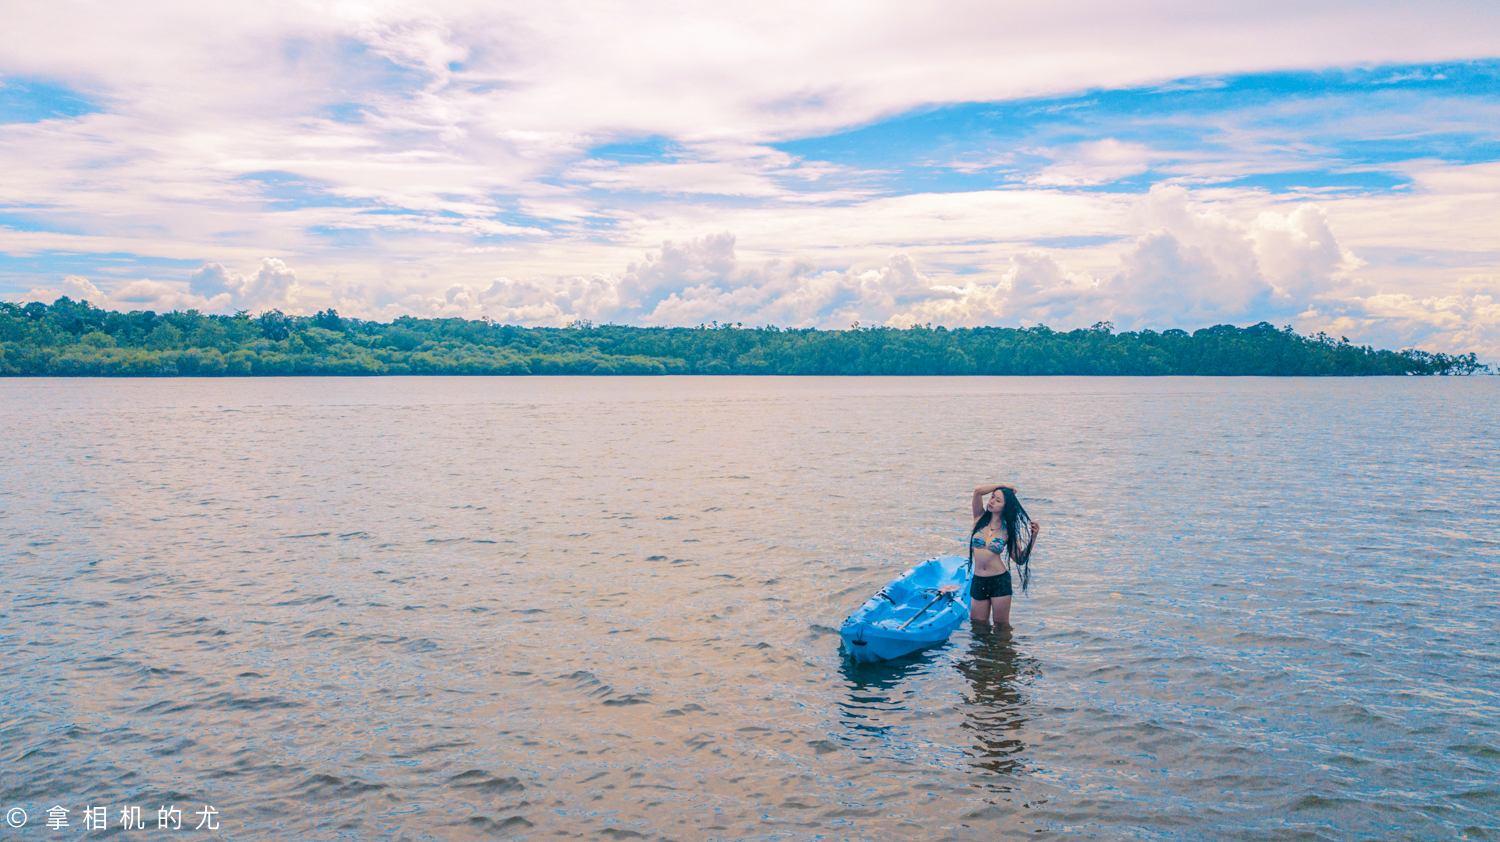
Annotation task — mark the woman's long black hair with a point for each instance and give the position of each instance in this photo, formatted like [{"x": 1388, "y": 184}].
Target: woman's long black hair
[{"x": 1014, "y": 518}]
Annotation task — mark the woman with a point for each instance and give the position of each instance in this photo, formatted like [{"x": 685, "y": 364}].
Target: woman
[{"x": 994, "y": 543}]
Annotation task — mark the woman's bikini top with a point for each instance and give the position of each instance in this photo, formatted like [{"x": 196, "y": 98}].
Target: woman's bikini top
[{"x": 997, "y": 546}]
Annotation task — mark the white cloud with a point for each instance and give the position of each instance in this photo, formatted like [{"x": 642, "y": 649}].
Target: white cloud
[
  {"x": 1034, "y": 289},
  {"x": 1466, "y": 322},
  {"x": 1297, "y": 253},
  {"x": 273, "y": 286},
  {"x": 140, "y": 294},
  {"x": 1093, "y": 163},
  {"x": 721, "y": 169},
  {"x": 146, "y": 294},
  {"x": 211, "y": 288},
  {"x": 505, "y": 301},
  {"x": 725, "y": 179},
  {"x": 696, "y": 282},
  {"x": 1192, "y": 265},
  {"x": 81, "y": 289},
  {"x": 1196, "y": 266},
  {"x": 1166, "y": 281}
]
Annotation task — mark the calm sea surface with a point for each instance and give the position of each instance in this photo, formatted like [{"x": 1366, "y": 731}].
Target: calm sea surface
[{"x": 490, "y": 608}]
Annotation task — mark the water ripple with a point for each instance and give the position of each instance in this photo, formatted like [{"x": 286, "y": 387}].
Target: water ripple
[{"x": 475, "y": 608}]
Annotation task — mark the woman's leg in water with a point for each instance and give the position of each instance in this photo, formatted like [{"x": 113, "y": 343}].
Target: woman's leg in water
[
  {"x": 979, "y": 610},
  {"x": 1000, "y": 606}
]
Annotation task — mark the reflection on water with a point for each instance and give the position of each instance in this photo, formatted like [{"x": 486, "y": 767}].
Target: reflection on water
[
  {"x": 882, "y": 700},
  {"x": 877, "y": 693},
  {"x": 995, "y": 709}
]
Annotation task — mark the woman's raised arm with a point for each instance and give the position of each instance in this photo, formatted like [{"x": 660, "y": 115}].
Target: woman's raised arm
[{"x": 979, "y": 495}]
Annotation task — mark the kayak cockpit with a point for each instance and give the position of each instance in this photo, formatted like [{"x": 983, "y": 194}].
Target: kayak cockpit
[{"x": 913, "y": 612}]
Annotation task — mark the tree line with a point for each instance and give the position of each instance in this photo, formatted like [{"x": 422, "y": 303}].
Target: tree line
[{"x": 74, "y": 338}]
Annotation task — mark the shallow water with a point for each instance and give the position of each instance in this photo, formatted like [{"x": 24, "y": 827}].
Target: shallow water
[{"x": 475, "y": 608}]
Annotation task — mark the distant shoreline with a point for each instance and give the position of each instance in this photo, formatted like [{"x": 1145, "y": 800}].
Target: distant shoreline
[{"x": 75, "y": 339}]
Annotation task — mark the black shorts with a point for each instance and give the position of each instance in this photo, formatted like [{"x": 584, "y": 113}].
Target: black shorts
[{"x": 990, "y": 587}]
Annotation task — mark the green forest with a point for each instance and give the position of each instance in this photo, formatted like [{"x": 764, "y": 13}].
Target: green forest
[{"x": 73, "y": 338}]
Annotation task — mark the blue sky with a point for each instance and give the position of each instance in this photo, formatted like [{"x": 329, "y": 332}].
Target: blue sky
[
  {"x": 1259, "y": 119},
  {"x": 1332, "y": 166}
]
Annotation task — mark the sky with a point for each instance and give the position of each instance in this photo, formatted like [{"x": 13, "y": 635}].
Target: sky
[{"x": 1332, "y": 166}]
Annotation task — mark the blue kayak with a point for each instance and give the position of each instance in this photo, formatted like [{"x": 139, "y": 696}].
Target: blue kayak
[{"x": 919, "y": 608}]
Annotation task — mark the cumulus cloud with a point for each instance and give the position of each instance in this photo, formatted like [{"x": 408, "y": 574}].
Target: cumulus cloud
[
  {"x": 1035, "y": 289},
  {"x": 81, "y": 289},
  {"x": 697, "y": 281},
  {"x": 1193, "y": 262},
  {"x": 146, "y": 294},
  {"x": 1464, "y": 322},
  {"x": 704, "y": 280},
  {"x": 273, "y": 285},
  {"x": 141, "y": 294},
  {"x": 531, "y": 303},
  {"x": 1297, "y": 252},
  {"x": 1197, "y": 265},
  {"x": 210, "y": 288},
  {"x": 1193, "y": 265}
]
